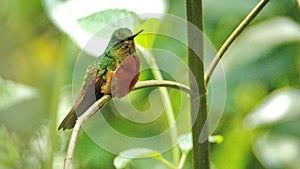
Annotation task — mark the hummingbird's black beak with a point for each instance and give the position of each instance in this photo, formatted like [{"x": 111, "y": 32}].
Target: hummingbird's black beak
[{"x": 133, "y": 36}]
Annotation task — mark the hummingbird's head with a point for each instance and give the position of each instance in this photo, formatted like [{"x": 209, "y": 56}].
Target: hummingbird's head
[{"x": 122, "y": 39}]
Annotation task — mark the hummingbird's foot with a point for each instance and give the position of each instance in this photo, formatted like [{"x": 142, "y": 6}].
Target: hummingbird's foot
[{"x": 117, "y": 64}]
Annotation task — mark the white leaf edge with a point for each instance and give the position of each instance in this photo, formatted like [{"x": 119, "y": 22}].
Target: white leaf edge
[
  {"x": 15, "y": 93},
  {"x": 65, "y": 15}
]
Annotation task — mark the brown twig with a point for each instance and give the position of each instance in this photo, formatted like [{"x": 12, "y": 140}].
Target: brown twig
[{"x": 101, "y": 102}]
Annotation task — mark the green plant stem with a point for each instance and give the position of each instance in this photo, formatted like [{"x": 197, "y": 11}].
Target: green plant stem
[
  {"x": 169, "y": 109},
  {"x": 233, "y": 36},
  {"x": 182, "y": 160},
  {"x": 167, "y": 163},
  {"x": 198, "y": 100},
  {"x": 58, "y": 73}
]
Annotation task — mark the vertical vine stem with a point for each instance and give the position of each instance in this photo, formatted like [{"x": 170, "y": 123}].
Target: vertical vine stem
[
  {"x": 198, "y": 111},
  {"x": 233, "y": 36},
  {"x": 53, "y": 102},
  {"x": 182, "y": 160},
  {"x": 167, "y": 101}
]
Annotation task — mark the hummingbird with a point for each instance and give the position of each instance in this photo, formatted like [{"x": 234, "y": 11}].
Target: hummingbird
[{"x": 115, "y": 73}]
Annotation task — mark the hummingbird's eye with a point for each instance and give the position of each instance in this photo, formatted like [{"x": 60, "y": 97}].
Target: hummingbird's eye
[{"x": 120, "y": 41}]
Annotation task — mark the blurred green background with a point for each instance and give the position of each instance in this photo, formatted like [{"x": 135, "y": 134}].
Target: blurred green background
[{"x": 260, "y": 123}]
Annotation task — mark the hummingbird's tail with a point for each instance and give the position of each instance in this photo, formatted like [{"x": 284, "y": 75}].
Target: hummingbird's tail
[{"x": 69, "y": 121}]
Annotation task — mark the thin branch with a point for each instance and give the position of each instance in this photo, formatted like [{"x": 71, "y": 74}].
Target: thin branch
[
  {"x": 99, "y": 104},
  {"x": 162, "y": 83},
  {"x": 81, "y": 119},
  {"x": 233, "y": 36}
]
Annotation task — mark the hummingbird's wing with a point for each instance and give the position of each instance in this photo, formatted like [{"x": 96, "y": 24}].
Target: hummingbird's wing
[
  {"x": 125, "y": 76},
  {"x": 90, "y": 93}
]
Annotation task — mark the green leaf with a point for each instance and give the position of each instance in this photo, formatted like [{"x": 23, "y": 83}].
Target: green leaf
[
  {"x": 12, "y": 93},
  {"x": 121, "y": 162},
  {"x": 157, "y": 155},
  {"x": 185, "y": 142},
  {"x": 116, "y": 17},
  {"x": 151, "y": 153},
  {"x": 139, "y": 152},
  {"x": 280, "y": 105},
  {"x": 277, "y": 151},
  {"x": 9, "y": 154},
  {"x": 147, "y": 38},
  {"x": 251, "y": 39},
  {"x": 125, "y": 157},
  {"x": 16, "y": 106}
]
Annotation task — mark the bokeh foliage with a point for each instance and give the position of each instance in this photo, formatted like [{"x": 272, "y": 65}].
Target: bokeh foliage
[{"x": 36, "y": 70}]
